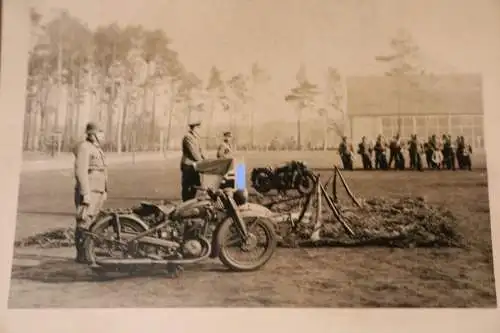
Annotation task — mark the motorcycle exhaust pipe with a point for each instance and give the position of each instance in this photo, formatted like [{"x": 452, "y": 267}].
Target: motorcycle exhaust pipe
[
  {"x": 158, "y": 242},
  {"x": 149, "y": 262},
  {"x": 128, "y": 237}
]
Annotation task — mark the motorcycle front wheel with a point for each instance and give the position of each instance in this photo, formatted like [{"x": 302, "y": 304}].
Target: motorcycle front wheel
[
  {"x": 262, "y": 232},
  {"x": 263, "y": 181}
]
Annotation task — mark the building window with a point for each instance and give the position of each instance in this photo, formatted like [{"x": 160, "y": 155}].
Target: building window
[
  {"x": 406, "y": 127},
  {"x": 456, "y": 121},
  {"x": 443, "y": 125},
  {"x": 389, "y": 126},
  {"x": 470, "y": 127},
  {"x": 421, "y": 127},
  {"x": 478, "y": 121}
]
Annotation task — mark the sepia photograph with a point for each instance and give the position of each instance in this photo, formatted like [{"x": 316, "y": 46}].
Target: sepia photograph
[{"x": 262, "y": 154}]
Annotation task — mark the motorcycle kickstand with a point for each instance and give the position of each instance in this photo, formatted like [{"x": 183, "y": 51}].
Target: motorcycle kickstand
[{"x": 174, "y": 270}]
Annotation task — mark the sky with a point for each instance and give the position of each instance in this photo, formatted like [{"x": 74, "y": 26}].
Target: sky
[{"x": 454, "y": 35}]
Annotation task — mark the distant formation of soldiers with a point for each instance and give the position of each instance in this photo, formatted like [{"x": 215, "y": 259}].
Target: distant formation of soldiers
[{"x": 438, "y": 154}]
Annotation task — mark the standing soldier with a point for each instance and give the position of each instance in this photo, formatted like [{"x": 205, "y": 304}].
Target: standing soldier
[
  {"x": 225, "y": 149},
  {"x": 459, "y": 152},
  {"x": 345, "y": 152},
  {"x": 395, "y": 153},
  {"x": 428, "y": 153},
  {"x": 191, "y": 154},
  {"x": 91, "y": 184},
  {"x": 380, "y": 157},
  {"x": 365, "y": 151},
  {"x": 448, "y": 153},
  {"x": 415, "y": 150},
  {"x": 463, "y": 154}
]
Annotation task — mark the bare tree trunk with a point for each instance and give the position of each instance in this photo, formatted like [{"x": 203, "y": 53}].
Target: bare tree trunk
[
  {"x": 152, "y": 130},
  {"x": 27, "y": 128},
  {"x": 210, "y": 121},
  {"x": 325, "y": 133},
  {"x": 69, "y": 123},
  {"x": 299, "y": 121},
  {"x": 170, "y": 115},
  {"x": 77, "y": 101},
  {"x": 122, "y": 122}
]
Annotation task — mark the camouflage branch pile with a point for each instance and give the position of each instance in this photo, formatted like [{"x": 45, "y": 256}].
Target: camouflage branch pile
[
  {"x": 404, "y": 222},
  {"x": 59, "y": 237}
]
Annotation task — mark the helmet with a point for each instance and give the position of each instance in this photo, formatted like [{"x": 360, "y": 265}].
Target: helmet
[{"x": 91, "y": 128}]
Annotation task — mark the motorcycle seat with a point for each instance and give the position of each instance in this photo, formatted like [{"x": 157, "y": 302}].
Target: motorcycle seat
[{"x": 154, "y": 207}]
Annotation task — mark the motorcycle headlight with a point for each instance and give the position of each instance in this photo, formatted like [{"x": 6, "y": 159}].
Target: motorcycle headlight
[{"x": 240, "y": 197}]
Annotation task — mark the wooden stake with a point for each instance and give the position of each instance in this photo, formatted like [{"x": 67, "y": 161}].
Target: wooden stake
[
  {"x": 318, "y": 220},
  {"x": 348, "y": 190},
  {"x": 336, "y": 213},
  {"x": 334, "y": 187}
]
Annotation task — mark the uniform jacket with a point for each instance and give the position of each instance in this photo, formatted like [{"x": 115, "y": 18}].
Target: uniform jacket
[
  {"x": 364, "y": 148},
  {"x": 345, "y": 149},
  {"x": 395, "y": 144},
  {"x": 415, "y": 146},
  {"x": 91, "y": 173},
  {"x": 224, "y": 150},
  {"x": 191, "y": 149},
  {"x": 380, "y": 146}
]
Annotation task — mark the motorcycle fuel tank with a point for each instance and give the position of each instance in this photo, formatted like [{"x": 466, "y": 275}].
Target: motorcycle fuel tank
[{"x": 192, "y": 208}]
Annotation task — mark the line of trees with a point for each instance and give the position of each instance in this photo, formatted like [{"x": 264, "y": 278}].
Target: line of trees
[{"x": 130, "y": 80}]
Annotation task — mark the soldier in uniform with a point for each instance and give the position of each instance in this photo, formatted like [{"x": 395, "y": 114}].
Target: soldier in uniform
[
  {"x": 191, "y": 154},
  {"x": 460, "y": 149},
  {"x": 345, "y": 152},
  {"x": 380, "y": 157},
  {"x": 448, "y": 153},
  {"x": 91, "y": 184},
  {"x": 395, "y": 153},
  {"x": 433, "y": 147},
  {"x": 463, "y": 154},
  {"x": 365, "y": 151},
  {"x": 225, "y": 149},
  {"x": 428, "y": 153},
  {"x": 415, "y": 150}
]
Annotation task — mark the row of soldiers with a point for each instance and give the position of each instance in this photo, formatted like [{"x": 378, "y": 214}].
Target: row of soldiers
[
  {"x": 444, "y": 154},
  {"x": 91, "y": 175}
]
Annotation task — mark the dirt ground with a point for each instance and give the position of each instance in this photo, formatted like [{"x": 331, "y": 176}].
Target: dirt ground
[{"x": 327, "y": 277}]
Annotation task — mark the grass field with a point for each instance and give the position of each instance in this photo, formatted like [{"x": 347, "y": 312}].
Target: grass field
[{"x": 327, "y": 277}]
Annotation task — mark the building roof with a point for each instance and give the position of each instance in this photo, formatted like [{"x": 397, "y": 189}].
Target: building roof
[{"x": 419, "y": 95}]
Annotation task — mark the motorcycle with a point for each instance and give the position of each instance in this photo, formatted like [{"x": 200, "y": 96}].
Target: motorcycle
[
  {"x": 293, "y": 175},
  {"x": 209, "y": 226}
]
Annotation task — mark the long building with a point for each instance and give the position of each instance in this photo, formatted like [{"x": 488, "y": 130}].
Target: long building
[{"x": 422, "y": 105}]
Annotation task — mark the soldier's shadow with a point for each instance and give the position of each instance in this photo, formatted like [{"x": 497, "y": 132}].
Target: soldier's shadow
[{"x": 53, "y": 269}]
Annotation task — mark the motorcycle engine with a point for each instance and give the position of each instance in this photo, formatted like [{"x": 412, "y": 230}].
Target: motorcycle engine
[{"x": 192, "y": 248}]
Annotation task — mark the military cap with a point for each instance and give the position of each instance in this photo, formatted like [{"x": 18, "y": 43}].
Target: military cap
[
  {"x": 227, "y": 134},
  {"x": 194, "y": 123}
]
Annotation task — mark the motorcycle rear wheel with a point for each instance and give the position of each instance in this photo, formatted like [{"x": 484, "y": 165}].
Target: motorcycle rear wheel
[
  {"x": 129, "y": 227},
  {"x": 228, "y": 229}
]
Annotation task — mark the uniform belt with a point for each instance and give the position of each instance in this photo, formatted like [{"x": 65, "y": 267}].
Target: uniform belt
[{"x": 98, "y": 170}]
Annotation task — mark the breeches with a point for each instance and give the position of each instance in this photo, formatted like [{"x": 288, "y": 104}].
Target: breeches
[{"x": 86, "y": 213}]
